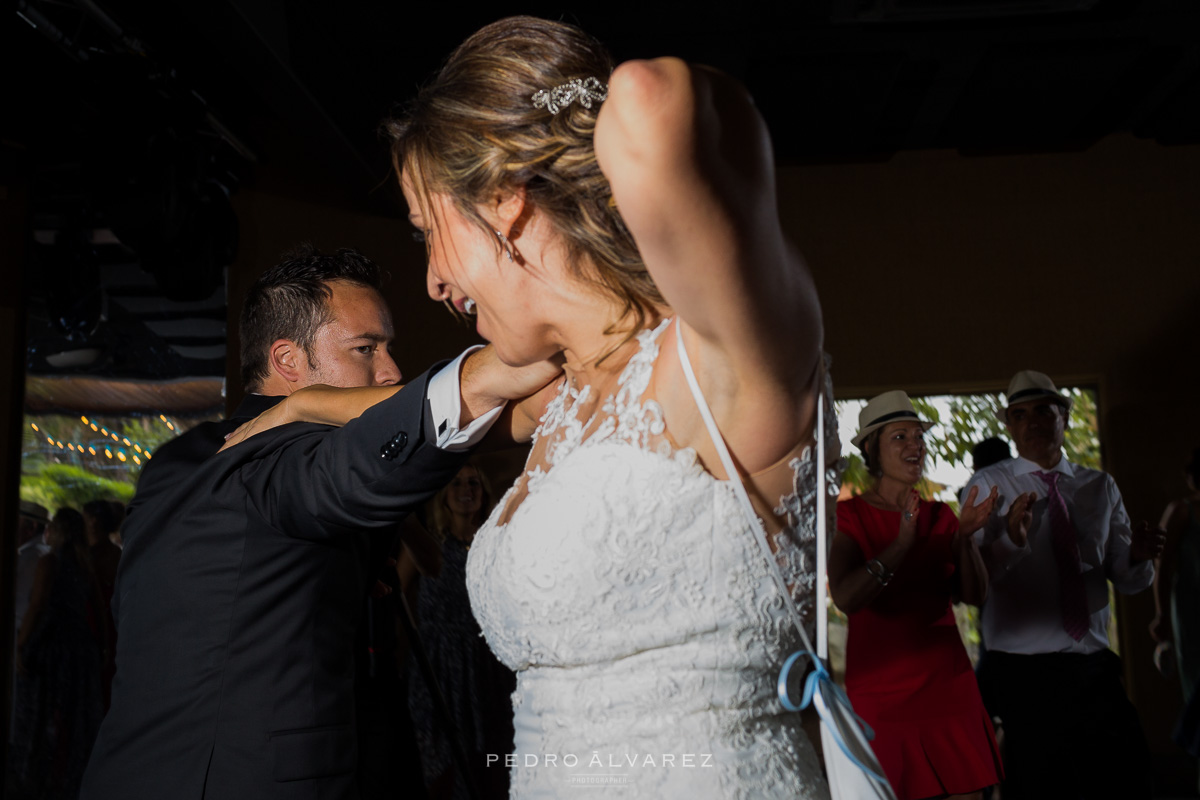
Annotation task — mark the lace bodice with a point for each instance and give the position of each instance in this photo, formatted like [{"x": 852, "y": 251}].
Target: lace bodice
[{"x": 628, "y": 592}]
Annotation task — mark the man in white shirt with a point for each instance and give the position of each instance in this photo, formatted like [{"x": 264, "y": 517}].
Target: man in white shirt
[{"x": 1058, "y": 534}]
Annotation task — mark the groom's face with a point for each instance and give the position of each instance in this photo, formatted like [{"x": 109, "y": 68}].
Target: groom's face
[{"x": 352, "y": 349}]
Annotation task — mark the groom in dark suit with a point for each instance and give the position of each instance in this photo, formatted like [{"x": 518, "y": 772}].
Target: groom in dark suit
[{"x": 244, "y": 571}]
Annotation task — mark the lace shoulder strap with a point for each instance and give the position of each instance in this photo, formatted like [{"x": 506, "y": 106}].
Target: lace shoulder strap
[{"x": 752, "y": 518}]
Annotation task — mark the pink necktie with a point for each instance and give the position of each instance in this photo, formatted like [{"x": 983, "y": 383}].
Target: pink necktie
[{"x": 1072, "y": 594}]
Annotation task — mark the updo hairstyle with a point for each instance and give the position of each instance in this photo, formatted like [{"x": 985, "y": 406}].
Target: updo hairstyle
[{"x": 474, "y": 130}]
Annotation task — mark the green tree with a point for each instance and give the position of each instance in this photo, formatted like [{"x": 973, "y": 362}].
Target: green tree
[
  {"x": 1082, "y": 437},
  {"x": 58, "y": 486},
  {"x": 971, "y": 419}
]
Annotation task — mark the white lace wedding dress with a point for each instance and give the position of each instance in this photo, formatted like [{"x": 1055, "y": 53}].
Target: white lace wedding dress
[{"x": 629, "y": 594}]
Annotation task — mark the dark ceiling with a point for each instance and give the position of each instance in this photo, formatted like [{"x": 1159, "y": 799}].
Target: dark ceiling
[
  {"x": 136, "y": 117},
  {"x": 304, "y": 84}
]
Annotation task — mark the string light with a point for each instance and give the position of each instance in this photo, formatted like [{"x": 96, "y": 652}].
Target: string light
[
  {"x": 114, "y": 450},
  {"x": 170, "y": 426}
]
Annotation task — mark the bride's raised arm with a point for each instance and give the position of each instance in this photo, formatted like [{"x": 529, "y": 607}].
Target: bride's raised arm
[{"x": 690, "y": 163}]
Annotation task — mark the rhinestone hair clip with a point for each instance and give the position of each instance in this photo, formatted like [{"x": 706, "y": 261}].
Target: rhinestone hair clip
[{"x": 577, "y": 90}]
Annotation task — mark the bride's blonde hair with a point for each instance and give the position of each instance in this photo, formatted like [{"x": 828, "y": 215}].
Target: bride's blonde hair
[{"x": 474, "y": 130}]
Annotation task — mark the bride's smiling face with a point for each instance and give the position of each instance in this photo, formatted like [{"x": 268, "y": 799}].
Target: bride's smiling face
[{"x": 467, "y": 269}]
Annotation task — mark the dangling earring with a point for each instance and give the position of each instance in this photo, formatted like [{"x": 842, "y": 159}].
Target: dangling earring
[{"x": 506, "y": 244}]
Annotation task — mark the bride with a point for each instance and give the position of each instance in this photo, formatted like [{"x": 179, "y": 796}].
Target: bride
[{"x": 624, "y": 220}]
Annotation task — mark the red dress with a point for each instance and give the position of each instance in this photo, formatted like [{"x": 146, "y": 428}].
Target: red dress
[{"x": 907, "y": 672}]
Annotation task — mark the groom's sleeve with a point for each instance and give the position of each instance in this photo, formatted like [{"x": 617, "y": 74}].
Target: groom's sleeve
[
  {"x": 445, "y": 409},
  {"x": 329, "y": 481}
]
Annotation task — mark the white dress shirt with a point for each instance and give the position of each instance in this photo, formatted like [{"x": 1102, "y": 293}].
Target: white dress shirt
[
  {"x": 1022, "y": 613},
  {"x": 444, "y": 393}
]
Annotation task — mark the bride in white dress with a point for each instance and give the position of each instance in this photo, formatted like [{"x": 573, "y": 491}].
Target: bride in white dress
[
  {"x": 618, "y": 576},
  {"x": 624, "y": 222}
]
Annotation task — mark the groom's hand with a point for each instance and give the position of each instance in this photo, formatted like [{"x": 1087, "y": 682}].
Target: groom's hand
[{"x": 488, "y": 382}]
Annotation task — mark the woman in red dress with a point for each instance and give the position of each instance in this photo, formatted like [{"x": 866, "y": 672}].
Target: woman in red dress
[{"x": 895, "y": 566}]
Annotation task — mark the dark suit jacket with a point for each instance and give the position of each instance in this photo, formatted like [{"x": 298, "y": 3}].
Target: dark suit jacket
[{"x": 242, "y": 579}]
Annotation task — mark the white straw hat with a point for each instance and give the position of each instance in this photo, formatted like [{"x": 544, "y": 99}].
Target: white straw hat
[
  {"x": 1028, "y": 385},
  {"x": 888, "y": 407}
]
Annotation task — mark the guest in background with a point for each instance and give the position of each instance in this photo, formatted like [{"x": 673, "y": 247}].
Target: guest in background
[
  {"x": 387, "y": 746},
  {"x": 118, "y": 515},
  {"x": 896, "y": 565},
  {"x": 59, "y": 701},
  {"x": 991, "y": 450},
  {"x": 475, "y": 686},
  {"x": 1055, "y": 539},
  {"x": 1176, "y": 625},
  {"x": 101, "y": 524},
  {"x": 31, "y": 546}
]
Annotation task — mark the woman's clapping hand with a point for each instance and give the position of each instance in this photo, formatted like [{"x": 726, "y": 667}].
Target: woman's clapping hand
[
  {"x": 908, "y": 518},
  {"x": 973, "y": 515}
]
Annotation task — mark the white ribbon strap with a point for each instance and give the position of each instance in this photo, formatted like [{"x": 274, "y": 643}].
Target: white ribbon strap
[
  {"x": 822, "y": 534},
  {"x": 735, "y": 478}
]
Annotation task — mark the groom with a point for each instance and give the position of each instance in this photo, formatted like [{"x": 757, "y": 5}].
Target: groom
[{"x": 244, "y": 571}]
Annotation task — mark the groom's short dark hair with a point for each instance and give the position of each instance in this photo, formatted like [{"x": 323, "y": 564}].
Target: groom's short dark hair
[{"x": 291, "y": 301}]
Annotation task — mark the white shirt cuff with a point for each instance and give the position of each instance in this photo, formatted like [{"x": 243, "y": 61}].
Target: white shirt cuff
[
  {"x": 1130, "y": 578},
  {"x": 444, "y": 393}
]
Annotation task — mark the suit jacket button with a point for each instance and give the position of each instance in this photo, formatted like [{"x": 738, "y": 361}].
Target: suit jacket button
[{"x": 392, "y": 448}]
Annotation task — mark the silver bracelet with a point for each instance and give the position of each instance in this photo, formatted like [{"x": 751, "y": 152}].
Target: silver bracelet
[{"x": 884, "y": 575}]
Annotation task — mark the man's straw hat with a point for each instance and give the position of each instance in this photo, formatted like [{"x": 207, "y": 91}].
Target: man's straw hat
[{"x": 1028, "y": 385}]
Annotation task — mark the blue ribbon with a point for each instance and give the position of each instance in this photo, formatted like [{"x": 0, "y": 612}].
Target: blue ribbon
[{"x": 819, "y": 680}]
